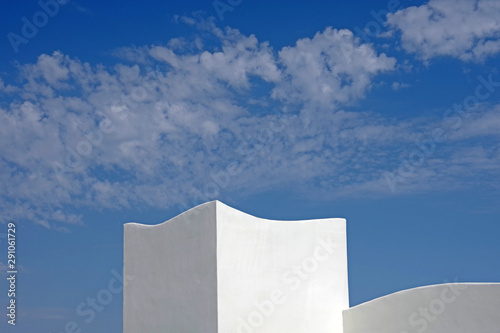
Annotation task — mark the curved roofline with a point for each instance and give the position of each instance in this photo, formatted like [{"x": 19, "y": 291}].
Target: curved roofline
[
  {"x": 217, "y": 202},
  {"x": 272, "y": 220},
  {"x": 422, "y": 287},
  {"x": 175, "y": 217}
]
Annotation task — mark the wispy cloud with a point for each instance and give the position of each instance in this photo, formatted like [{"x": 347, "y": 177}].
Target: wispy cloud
[
  {"x": 464, "y": 29},
  {"x": 181, "y": 122},
  {"x": 399, "y": 85}
]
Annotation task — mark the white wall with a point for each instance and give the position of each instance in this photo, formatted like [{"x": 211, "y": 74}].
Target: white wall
[
  {"x": 280, "y": 276},
  {"x": 446, "y": 308},
  {"x": 216, "y": 269},
  {"x": 171, "y": 276}
]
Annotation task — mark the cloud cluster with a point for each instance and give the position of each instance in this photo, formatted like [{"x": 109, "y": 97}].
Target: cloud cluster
[
  {"x": 330, "y": 69},
  {"x": 195, "y": 120},
  {"x": 464, "y": 29}
]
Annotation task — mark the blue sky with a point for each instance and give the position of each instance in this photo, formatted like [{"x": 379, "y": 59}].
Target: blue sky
[{"x": 386, "y": 113}]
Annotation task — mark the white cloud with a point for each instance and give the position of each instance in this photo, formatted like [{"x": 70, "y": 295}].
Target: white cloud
[
  {"x": 399, "y": 85},
  {"x": 7, "y": 88},
  {"x": 53, "y": 69},
  {"x": 331, "y": 68},
  {"x": 133, "y": 54},
  {"x": 464, "y": 29},
  {"x": 184, "y": 125},
  {"x": 482, "y": 124}
]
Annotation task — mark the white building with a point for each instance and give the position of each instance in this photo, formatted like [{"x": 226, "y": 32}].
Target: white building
[
  {"x": 444, "y": 308},
  {"x": 214, "y": 269}
]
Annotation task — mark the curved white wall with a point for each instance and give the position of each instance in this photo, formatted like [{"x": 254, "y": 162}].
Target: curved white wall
[
  {"x": 280, "y": 276},
  {"x": 216, "y": 269},
  {"x": 445, "y": 308}
]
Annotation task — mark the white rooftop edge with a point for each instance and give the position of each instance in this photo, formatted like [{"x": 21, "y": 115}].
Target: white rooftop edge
[
  {"x": 216, "y": 269},
  {"x": 442, "y": 308}
]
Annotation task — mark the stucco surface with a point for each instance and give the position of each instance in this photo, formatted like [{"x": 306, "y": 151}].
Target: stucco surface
[
  {"x": 445, "y": 308},
  {"x": 303, "y": 261},
  {"x": 216, "y": 269},
  {"x": 171, "y": 275}
]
